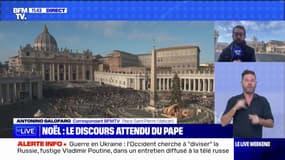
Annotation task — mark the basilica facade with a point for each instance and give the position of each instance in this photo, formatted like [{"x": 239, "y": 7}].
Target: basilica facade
[{"x": 52, "y": 63}]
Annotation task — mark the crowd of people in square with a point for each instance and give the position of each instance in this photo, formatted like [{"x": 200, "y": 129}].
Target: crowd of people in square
[{"x": 73, "y": 102}]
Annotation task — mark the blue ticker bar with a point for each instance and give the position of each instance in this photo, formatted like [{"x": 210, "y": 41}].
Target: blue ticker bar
[
  {"x": 146, "y": 10},
  {"x": 122, "y": 131}
]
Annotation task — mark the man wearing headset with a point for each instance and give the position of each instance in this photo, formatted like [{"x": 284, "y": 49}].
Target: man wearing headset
[{"x": 238, "y": 50}]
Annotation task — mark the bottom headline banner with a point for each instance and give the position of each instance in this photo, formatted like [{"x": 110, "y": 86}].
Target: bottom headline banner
[
  {"x": 114, "y": 149},
  {"x": 143, "y": 148}
]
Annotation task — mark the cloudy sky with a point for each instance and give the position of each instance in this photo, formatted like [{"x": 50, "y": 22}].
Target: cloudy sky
[
  {"x": 103, "y": 37},
  {"x": 263, "y": 30}
]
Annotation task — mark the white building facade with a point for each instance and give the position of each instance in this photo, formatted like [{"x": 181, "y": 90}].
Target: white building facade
[
  {"x": 20, "y": 87},
  {"x": 190, "y": 81}
]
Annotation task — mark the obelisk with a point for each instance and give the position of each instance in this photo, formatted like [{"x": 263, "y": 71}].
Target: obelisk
[{"x": 153, "y": 81}]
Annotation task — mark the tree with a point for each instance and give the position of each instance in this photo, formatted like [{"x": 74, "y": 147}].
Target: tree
[{"x": 176, "y": 91}]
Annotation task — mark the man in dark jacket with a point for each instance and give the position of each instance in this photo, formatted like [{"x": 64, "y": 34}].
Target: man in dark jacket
[
  {"x": 238, "y": 51},
  {"x": 249, "y": 111}
]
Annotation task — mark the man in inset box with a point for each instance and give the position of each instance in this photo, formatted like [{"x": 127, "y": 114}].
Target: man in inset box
[
  {"x": 249, "y": 111},
  {"x": 238, "y": 50}
]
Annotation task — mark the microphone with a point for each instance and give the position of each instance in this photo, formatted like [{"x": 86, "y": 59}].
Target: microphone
[{"x": 236, "y": 52}]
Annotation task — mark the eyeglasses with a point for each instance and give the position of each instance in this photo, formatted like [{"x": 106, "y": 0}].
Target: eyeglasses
[{"x": 238, "y": 33}]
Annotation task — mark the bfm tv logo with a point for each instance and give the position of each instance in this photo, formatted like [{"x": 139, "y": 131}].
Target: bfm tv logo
[
  {"x": 20, "y": 13},
  {"x": 26, "y": 131}
]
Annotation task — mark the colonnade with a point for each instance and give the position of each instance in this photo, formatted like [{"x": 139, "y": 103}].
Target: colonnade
[
  {"x": 66, "y": 72},
  {"x": 188, "y": 82},
  {"x": 13, "y": 89}
]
